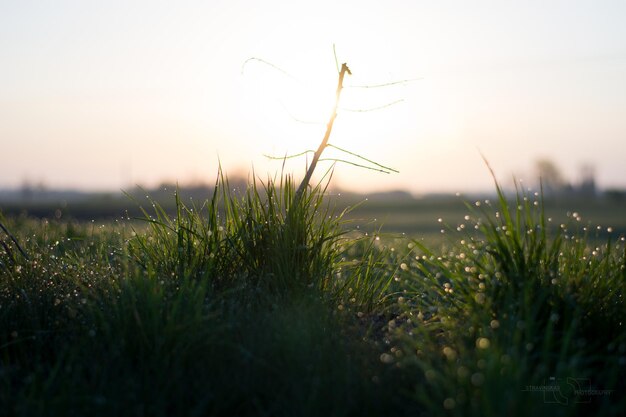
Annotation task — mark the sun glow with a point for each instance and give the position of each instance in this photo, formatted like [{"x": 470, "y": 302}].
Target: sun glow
[
  {"x": 291, "y": 110},
  {"x": 159, "y": 92},
  {"x": 287, "y": 106}
]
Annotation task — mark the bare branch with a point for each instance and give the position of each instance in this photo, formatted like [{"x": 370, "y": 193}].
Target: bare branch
[{"x": 329, "y": 128}]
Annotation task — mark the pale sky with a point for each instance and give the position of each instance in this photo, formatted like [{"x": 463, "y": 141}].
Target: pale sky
[{"x": 104, "y": 95}]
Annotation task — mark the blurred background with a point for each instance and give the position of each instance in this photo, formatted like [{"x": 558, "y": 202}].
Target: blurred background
[{"x": 99, "y": 97}]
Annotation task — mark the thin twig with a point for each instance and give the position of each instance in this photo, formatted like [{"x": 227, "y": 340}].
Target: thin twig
[
  {"x": 372, "y": 108},
  {"x": 382, "y": 168},
  {"x": 262, "y": 61},
  {"x": 289, "y": 156},
  {"x": 329, "y": 127},
  {"x": 363, "y": 158},
  {"x": 409, "y": 80},
  {"x": 355, "y": 164},
  {"x": 336, "y": 60}
]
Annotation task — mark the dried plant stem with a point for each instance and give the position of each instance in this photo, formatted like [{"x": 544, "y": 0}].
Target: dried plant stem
[{"x": 329, "y": 127}]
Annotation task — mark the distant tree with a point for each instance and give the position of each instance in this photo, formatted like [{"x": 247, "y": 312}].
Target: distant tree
[
  {"x": 26, "y": 190},
  {"x": 550, "y": 175},
  {"x": 587, "y": 180}
]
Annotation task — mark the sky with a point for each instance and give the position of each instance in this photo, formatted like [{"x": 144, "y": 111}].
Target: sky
[{"x": 106, "y": 95}]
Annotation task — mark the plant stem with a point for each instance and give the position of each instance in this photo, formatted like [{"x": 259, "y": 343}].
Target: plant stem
[{"x": 329, "y": 128}]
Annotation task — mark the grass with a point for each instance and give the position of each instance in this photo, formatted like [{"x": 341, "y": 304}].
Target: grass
[
  {"x": 237, "y": 311},
  {"x": 210, "y": 312},
  {"x": 266, "y": 304},
  {"x": 515, "y": 309}
]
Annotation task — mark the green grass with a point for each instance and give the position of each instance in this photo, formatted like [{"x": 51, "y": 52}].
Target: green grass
[{"x": 251, "y": 305}]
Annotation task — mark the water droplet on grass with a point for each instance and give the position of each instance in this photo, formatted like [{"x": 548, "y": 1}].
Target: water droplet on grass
[
  {"x": 449, "y": 403},
  {"x": 430, "y": 375},
  {"x": 478, "y": 379},
  {"x": 482, "y": 343},
  {"x": 386, "y": 358},
  {"x": 449, "y": 353}
]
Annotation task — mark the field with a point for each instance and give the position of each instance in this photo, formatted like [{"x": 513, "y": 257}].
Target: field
[
  {"x": 253, "y": 304},
  {"x": 393, "y": 212}
]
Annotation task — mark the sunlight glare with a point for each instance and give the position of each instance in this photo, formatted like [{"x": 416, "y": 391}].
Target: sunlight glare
[{"x": 290, "y": 109}]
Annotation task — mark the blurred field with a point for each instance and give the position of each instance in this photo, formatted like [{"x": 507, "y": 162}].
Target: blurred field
[
  {"x": 420, "y": 217},
  {"x": 394, "y": 212}
]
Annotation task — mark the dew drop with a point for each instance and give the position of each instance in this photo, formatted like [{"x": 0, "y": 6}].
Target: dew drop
[
  {"x": 386, "y": 358},
  {"x": 449, "y": 403},
  {"x": 482, "y": 343},
  {"x": 478, "y": 379}
]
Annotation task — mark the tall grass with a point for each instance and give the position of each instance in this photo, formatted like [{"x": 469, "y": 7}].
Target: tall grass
[
  {"x": 517, "y": 317},
  {"x": 213, "y": 311},
  {"x": 263, "y": 302},
  {"x": 258, "y": 239},
  {"x": 234, "y": 307}
]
